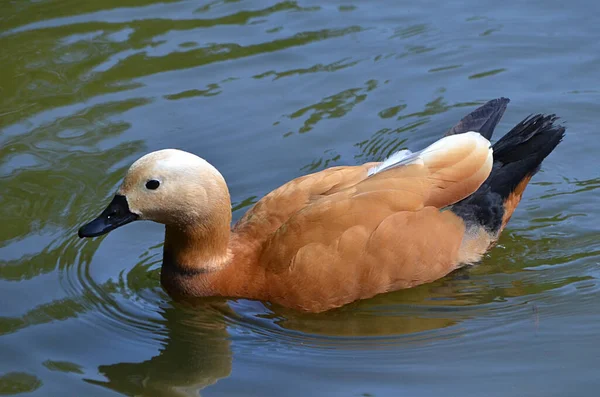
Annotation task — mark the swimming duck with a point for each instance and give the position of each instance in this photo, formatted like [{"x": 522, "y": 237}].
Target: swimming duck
[{"x": 342, "y": 234}]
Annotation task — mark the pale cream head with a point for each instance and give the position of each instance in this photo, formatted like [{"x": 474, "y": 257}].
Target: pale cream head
[{"x": 190, "y": 191}]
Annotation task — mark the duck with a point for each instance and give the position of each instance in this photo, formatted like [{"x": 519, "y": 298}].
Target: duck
[{"x": 343, "y": 234}]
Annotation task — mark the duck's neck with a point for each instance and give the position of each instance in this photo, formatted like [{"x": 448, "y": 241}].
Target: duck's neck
[
  {"x": 196, "y": 250},
  {"x": 206, "y": 261}
]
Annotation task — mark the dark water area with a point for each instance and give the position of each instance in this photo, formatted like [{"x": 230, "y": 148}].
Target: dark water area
[{"x": 268, "y": 91}]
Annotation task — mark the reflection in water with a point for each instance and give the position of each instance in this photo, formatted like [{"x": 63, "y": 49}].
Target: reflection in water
[
  {"x": 18, "y": 382},
  {"x": 331, "y": 67},
  {"x": 196, "y": 353},
  {"x": 334, "y": 106},
  {"x": 103, "y": 58},
  {"x": 487, "y": 73},
  {"x": 63, "y": 366}
]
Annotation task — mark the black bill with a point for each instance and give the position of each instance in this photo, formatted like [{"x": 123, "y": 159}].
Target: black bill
[{"x": 116, "y": 214}]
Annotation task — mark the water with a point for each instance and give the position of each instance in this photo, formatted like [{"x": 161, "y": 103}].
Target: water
[{"x": 268, "y": 91}]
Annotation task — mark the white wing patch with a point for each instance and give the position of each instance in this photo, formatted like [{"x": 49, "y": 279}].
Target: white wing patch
[
  {"x": 404, "y": 157},
  {"x": 394, "y": 160}
]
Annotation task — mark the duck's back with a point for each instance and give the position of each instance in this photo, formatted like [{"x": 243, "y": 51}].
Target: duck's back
[{"x": 273, "y": 210}]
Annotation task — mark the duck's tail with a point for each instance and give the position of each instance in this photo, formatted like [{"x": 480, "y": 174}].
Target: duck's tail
[
  {"x": 517, "y": 157},
  {"x": 484, "y": 119}
]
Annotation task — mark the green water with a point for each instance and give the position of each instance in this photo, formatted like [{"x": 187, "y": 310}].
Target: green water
[{"x": 268, "y": 91}]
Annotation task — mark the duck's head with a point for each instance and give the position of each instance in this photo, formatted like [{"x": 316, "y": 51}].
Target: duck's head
[{"x": 168, "y": 186}]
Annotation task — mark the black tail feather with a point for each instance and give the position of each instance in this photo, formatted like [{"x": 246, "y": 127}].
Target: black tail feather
[
  {"x": 520, "y": 153},
  {"x": 517, "y": 155},
  {"x": 484, "y": 119}
]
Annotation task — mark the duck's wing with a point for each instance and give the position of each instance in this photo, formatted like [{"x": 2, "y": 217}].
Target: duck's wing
[
  {"x": 443, "y": 173},
  {"x": 384, "y": 232},
  {"x": 274, "y": 209}
]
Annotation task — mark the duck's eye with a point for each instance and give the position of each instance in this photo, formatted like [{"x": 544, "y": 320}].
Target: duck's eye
[{"x": 152, "y": 184}]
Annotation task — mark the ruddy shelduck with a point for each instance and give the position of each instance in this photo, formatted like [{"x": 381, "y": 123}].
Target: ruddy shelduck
[{"x": 342, "y": 234}]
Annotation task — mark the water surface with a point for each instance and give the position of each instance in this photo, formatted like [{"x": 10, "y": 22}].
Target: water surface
[{"x": 268, "y": 91}]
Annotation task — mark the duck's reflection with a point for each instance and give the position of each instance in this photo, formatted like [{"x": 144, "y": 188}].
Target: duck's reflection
[
  {"x": 196, "y": 353},
  {"x": 197, "y": 349}
]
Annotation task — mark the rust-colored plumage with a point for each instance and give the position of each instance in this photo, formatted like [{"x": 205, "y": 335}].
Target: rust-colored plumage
[{"x": 343, "y": 234}]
